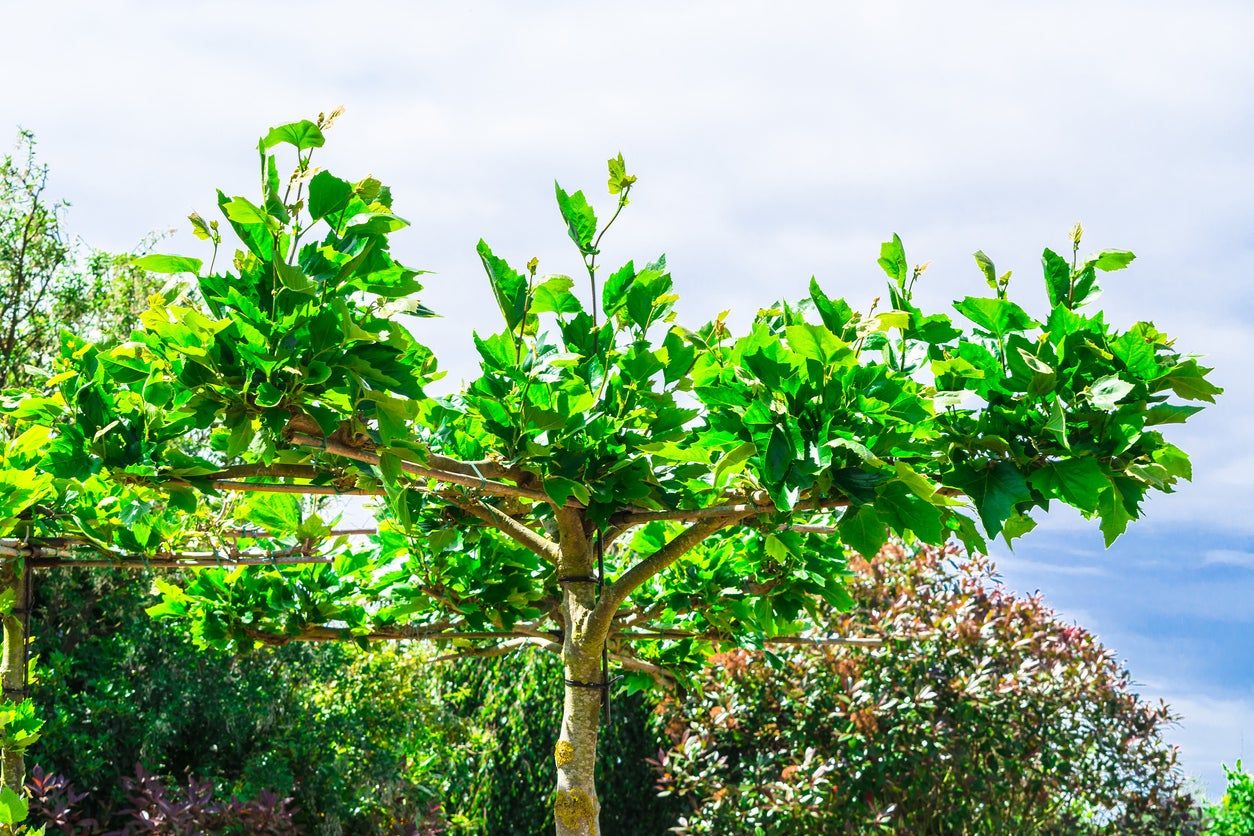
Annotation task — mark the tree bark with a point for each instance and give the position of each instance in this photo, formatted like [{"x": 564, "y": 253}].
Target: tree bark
[
  {"x": 13, "y": 666},
  {"x": 576, "y": 807}
]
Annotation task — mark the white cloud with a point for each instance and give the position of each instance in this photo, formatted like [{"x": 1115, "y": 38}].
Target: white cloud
[
  {"x": 1229, "y": 557},
  {"x": 1212, "y": 732}
]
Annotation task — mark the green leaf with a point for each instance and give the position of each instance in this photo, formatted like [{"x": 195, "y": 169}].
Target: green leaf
[
  {"x": 1057, "y": 422},
  {"x": 1167, "y": 413},
  {"x": 893, "y": 260},
  {"x": 200, "y": 228},
  {"x": 508, "y": 285},
  {"x": 987, "y": 268},
  {"x": 732, "y": 462},
  {"x": 1137, "y": 353},
  {"x": 620, "y": 180},
  {"x": 898, "y": 506},
  {"x": 243, "y": 211},
  {"x": 269, "y": 395},
  {"x": 997, "y": 316},
  {"x": 581, "y": 221},
  {"x": 303, "y": 134},
  {"x": 1078, "y": 482},
  {"x": 1188, "y": 380},
  {"x": 554, "y": 296},
  {"x": 1112, "y": 506},
  {"x": 858, "y": 449},
  {"x": 779, "y": 456},
  {"x": 250, "y": 224},
  {"x": 816, "y": 342},
  {"x": 241, "y": 435},
  {"x": 1106, "y": 392},
  {"x": 995, "y": 489},
  {"x": 614, "y": 294},
  {"x": 168, "y": 264},
  {"x": 13, "y": 807},
  {"x": 836, "y": 314},
  {"x": 1175, "y": 461},
  {"x": 560, "y": 490},
  {"x": 273, "y": 202},
  {"x": 863, "y": 530},
  {"x": 327, "y": 194},
  {"x": 1108, "y": 260},
  {"x": 923, "y": 487},
  {"x": 277, "y": 513},
  {"x": 1057, "y": 277},
  {"x": 680, "y": 356},
  {"x": 291, "y": 277}
]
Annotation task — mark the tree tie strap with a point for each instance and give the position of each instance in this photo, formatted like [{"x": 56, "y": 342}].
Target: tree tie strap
[
  {"x": 599, "y": 686},
  {"x": 580, "y": 579}
]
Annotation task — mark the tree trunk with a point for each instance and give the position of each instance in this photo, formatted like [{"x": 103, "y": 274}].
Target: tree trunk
[
  {"x": 13, "y": 666},
  {"x": 576, "y": 808}
]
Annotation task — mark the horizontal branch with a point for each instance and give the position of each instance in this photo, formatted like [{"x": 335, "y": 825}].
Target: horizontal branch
[
  {"x": 305, "y": 425},
  {"x": 749, "y": 507},
  {"x": 403, "y": 633},
  {"x": 810, "y": 529},
  {"x": 677, "y": 635},
  {"x": 661, "y": 675},
  {"x": 757, "y": 503},
  {"x": 284, "y": 487},
  {"x": 483, "y": 485},
  {"x": 232, "y": 534},
  {"x": 277, "y": 469},
  {"x": 177, "y": 562},
  {"x": 259, "y": 534},
  {"x": 502, "y": 649}
]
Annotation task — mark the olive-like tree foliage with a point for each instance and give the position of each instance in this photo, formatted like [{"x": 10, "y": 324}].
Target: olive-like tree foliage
[
  {"x": 614, "y": 487},
  {"x": 990, "y": 714},
  {"x": 46, "y": 281}
]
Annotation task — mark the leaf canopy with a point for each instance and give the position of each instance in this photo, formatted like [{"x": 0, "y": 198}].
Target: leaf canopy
[{"x": 296, "y": 366}]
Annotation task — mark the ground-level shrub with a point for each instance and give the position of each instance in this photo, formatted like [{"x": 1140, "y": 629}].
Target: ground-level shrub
[
  {"x": 384, "y": 741},
  {"x": 346, "y": 734},
  {"x": 984, "y": 713},
  {"x": 155, "y": 807}
]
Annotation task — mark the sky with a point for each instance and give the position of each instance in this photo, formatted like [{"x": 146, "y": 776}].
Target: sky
[{"x": 773, "y": 142}]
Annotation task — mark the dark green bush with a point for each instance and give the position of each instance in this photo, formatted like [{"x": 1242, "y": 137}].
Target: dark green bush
[
  {"x": 364, "y": 742},
  {"x": 332, "y": 727},
  {"x": 501, "y": 765}
]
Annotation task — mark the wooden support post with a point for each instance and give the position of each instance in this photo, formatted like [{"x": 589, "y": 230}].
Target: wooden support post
[{"x": 15, "y": 578}]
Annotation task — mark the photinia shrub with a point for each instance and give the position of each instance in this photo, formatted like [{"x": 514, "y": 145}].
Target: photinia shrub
[{"x": 989, "y": 714}]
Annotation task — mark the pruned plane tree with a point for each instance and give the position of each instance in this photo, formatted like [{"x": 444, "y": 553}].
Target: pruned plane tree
[{"x": 614, "y": 487}]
